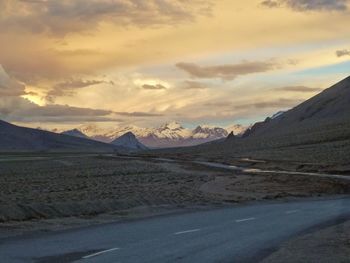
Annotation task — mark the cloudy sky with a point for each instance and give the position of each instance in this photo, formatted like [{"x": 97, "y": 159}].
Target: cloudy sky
[{"x": 118, "y": 62}]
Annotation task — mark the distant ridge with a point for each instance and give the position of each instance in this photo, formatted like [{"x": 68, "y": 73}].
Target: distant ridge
[
  {"x": 75, "y": 133},
  {"x": 16, "y": 138}
]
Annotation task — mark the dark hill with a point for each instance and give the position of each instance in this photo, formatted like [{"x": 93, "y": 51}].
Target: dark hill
[
  {"x": 330, "y": 106},
  {"x": 129, "y": 141},
  {"x": 15, "y": 138}
]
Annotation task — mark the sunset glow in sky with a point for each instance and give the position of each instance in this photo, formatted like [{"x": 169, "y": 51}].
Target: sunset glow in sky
[{"x": 145, "y": 62}]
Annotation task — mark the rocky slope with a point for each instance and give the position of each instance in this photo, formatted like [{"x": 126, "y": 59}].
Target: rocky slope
[{"x": 128, "y": 141}]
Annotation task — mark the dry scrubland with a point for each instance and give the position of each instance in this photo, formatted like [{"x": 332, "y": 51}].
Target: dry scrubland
[
  {"x": 63, "y": 186},
  {"x": 58, "y": 187}
]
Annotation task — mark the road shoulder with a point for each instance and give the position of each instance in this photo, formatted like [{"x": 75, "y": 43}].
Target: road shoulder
[{"x": 331, "y": 244}]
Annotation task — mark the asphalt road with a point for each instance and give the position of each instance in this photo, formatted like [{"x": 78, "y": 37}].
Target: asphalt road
[{"x": 233, "y": 234}]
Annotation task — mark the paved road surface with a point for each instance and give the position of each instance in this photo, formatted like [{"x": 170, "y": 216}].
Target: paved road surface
[{"x": 233, "y": 234}]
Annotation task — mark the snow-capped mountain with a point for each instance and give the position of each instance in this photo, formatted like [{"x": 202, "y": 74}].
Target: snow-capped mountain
[
  {"x": 75, "y": 133},
  {"x": 172, "y": 130},
  {"x": 90, "y": 129},
  {"x": 209, "y": 132},
  {"x": 172, "y": 134},
  {"x": 129, "y": 141},
  {"x": 175, "y": 135}
]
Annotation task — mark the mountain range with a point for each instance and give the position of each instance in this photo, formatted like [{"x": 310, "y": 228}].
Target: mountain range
[
  {"x": 171, "y": 134},
  {"x": 16, "y": 138},
  {"x": 316, "y": 131}
]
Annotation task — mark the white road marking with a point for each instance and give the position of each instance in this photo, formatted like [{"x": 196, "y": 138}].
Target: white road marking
[
  {"x": 292, "y": 211},
  {"x": 187, "y": 231},
  {"x": 245, "y": 219},
  {"x": 101, "y": 252}
]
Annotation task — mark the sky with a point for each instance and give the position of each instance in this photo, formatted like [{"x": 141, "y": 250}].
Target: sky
[{"x": 65, "y": 63}]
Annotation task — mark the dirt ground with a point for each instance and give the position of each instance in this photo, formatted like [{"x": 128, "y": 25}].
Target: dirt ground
[
  {"x": 85, "y": 186},
  {"x": 330, "y": 245}
]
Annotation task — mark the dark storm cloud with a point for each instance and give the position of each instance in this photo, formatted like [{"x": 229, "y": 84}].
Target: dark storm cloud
[{"x": 59, "y": 17}]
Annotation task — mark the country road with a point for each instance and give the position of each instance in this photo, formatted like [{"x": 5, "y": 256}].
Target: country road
[{"x": 233, "y": 234}]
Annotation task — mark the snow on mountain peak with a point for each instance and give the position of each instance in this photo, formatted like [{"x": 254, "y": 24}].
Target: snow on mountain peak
[
  {"x": 168, "y": 135},
  {"x": 172, "y": 126},
  {"x": 237, "y": 129},
  {"x": 90, "y": 130},
  {"x": 277, "y": 114},
  {"x": 75, "y": 133},
  {"x": 207, "y": 131}
]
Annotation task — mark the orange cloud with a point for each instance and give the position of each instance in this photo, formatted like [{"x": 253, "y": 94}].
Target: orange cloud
[{"x": 227, "y": 71}]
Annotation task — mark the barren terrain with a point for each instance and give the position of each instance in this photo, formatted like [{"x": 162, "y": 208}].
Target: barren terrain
[
  {"x": 331, "y": 244},
  {"x": 57, "y": 186}
]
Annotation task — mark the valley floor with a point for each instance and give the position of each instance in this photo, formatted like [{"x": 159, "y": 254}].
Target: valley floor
[{"x": 70, "y": 190}]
